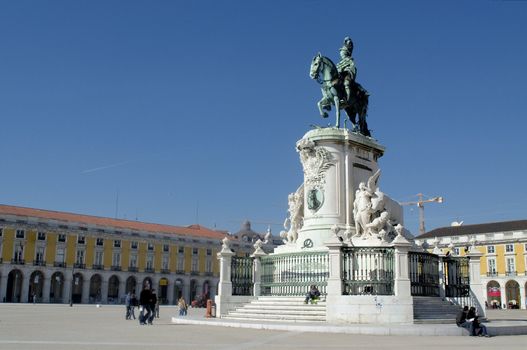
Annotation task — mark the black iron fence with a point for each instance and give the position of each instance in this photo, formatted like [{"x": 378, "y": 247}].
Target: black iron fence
[
  {"x": 242, "y": 275},
  {"x": 368, "y": 271},
  {"x": 457, "y": 279},
  {"x": 423, "y": 270},
  {"x": 293, "y": 274}
]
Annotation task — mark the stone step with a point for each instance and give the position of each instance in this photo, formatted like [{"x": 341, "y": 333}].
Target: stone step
[
  {"x": 278, "y": 312},
  {"x": 275, "y": 317},
  {"x": 257, "y": 319},
  {"x": 273, "y": 307}
]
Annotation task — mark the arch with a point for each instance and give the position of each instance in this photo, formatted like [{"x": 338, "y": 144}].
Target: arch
[
  {"x": 205, "y": 290},
  {"x": 113, "y": 290},
  {"x": 162, "y": 293},
  {"x": 194, "y": 293},
  {"x": 131, "y": 284},
  {"x": 76, "y": 288},
  {"x": 178, "y": 289},
  {"x": 493, "y": 295},
  {"x": 95, "y": 295},
  {"x": 14, "y": 286},
  {"x": 512, "y": 291},
  {"x": 56, "y": 289},
  {"x": 36, "y": 284}
]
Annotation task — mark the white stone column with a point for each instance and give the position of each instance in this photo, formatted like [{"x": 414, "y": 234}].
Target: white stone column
[
  {"x": 441, "y": 271},
  {"x": 26, "y": 281},
  {"x": 170, "y": 293},
  {"x": 104, "y": 290},
  {"x": 522, "y": 296},
  {"x": 402, "y": 283},
  {"x": 86, "y": 291},
  {"x": 334, "y": 287},
  {"x": 474, "y": 265},
  {"x": 225, "y": 285},
  {"x": 122, "y": 287},
  {"x": 257, "y": 271},
  {"x": 46, "y": 288},
  {"x": 66, "y": 291},
  {"x": 3, "y": 286},
  {"x": 503, "y": 295}
]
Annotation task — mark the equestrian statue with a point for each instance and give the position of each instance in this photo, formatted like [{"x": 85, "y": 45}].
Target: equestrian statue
[{"x": 340, "y": 89}]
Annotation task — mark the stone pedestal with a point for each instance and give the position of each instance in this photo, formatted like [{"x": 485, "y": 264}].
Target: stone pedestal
[
  {"x": 476, "y": 290},
  {"x": 335, "y": 161}
]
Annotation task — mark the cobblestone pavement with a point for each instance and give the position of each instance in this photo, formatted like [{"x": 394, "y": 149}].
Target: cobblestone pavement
[{"x": 46, "y": 327}]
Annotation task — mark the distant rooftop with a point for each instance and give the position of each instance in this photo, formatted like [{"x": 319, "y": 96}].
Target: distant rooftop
[
  {"x": 462, "y": 230},
  {"x": 88, "y": 220}
]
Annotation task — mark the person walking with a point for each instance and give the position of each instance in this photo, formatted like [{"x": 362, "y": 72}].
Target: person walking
[
  {"x": 128, "y": 303},
  {"x": 133, "y": 304},
  {"x": 182, "y": 304},
  {"x": 145, "y": 310}
]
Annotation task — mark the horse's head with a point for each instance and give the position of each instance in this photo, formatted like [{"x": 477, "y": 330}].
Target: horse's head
[{"x": 316, "y": 64}]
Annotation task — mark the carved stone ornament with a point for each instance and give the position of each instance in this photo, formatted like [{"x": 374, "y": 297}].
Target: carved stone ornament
[{"x": 315, "y": 161}]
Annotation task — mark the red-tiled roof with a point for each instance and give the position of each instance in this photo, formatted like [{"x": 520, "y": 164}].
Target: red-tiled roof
[{"x": 80, "y": 219}]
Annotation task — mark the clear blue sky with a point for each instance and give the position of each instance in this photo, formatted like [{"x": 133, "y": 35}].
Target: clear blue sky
[{"x": 190, "y": 110}]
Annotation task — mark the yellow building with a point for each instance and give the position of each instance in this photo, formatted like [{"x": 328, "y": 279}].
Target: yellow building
[
  {"x": 58, "y": 257},
  {"x": 504, "y": 260}
]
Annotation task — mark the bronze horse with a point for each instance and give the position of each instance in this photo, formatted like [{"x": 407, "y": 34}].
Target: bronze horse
[{"x": 325, "y": 72}]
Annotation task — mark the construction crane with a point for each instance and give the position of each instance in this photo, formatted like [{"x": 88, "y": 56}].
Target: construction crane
[{"x": 420, "y": 203}]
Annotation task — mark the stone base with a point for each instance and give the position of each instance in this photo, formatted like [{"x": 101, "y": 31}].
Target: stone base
[
  {"x": 369, "y": 309},
  {"x": 224, "y": 304}
]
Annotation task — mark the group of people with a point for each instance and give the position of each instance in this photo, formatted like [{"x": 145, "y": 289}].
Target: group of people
[
  {"x": 148, "y": 304},
  {"x": 468, "y": 319}
]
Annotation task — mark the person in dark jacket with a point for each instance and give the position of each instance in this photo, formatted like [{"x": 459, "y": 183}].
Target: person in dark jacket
[
  {"x": 478, "y": 329},
  {"x": 144, "y": 305},
  {"x": 312, "y": 295}
]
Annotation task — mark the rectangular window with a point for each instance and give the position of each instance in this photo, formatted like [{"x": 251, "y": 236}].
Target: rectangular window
[
  {"x": 209, "y": 252},
  {"x": 100, "y": 242},
  {"x": 510, "y": 265},
  {"x": 133, "y": 260},
  {"x": 181, "y": 250},
  {"x": 194, "y": 251},
  {"x": 181, "y": 262},
  {"x": 61, "y": 237},
  {"x": 149, "y": 261},
  {"x": 80, "y": 256},
  {"x": 41, "y": 236},
  {"x": 2, "y": 231},
  {"x": 39, "y": 256},
  {"x": 81, "y": 240},
  {"x": 117, "y": 244},
  {"x": 509, "y": 248},
  {"x": 20, "y": 234},
  {"x": 208, "y": 265},
  {"x": 165, "y": 247},
  {"x": 150, "y": 246},
  {"x": 99, "y": 256},
  {"x": 490, "y": 249},
  {"x": 19, "y": 253},
  {"x": 194, "y": 267},
  {"x": 133, "y": 245},
  {"x": 60, "y": 255},
  {"x": 165, "y": 262},
  {"x": 492, "y": 266},
  {"x": 456, "y": 251},
  {"x": 116, "y": 259}
]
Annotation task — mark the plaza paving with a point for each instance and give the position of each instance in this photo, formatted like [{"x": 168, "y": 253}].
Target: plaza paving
[{"x": 27, "y": 326}]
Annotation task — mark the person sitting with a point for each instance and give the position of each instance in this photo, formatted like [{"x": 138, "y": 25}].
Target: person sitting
[
  {"x": 461, "y": 319},
  {"x": 313, "y": 295},
  {"x": 477, "y": 328}
]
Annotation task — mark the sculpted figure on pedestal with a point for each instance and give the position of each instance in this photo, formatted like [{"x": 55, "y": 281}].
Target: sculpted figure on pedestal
[
  {"x": 295, "y": 221},
  {"x": 340, "y": 89}
]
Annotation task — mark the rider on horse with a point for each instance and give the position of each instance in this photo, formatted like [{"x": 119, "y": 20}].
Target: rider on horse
[{"x": 346, "y": 66}]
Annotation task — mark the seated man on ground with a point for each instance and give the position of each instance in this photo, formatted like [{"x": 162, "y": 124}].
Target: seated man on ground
[
  {"x": 313, "y": 295},
  {"x": 478, "y": 329}
]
